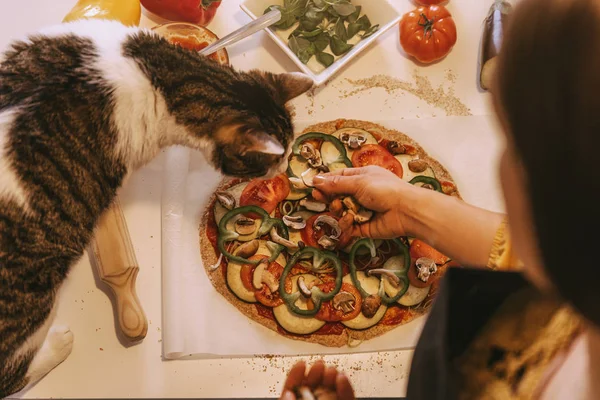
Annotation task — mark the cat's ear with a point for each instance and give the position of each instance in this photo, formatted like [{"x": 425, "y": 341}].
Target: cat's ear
[
  {"x": 260, "y": 142},
  {"x": 291, "y": 85}
]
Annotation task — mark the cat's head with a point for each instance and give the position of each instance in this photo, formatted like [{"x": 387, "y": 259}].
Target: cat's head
[{"x": 253, "y": 130}]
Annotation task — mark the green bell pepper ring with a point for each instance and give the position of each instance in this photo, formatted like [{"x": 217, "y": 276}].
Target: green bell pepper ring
[
  {"x": 427, "y": 180},
  {"x": 226, "y": 236},
  {"x": 401, "y": 274},
  {"x": 317, "y": 295},
  {"x": 343, "y": 158}
]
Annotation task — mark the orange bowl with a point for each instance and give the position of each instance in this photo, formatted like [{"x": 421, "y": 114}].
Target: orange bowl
[{"x": 193, "y": 37}]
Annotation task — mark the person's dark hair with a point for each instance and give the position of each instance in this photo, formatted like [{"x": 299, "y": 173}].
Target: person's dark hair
[{"x": 548, "y": 89}]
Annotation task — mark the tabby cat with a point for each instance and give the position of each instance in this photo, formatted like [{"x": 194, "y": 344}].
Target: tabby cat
[{"x": 82, "y": 105}]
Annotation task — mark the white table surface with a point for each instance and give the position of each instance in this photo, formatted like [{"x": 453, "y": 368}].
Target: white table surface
[{"x": 100, "y": 366}]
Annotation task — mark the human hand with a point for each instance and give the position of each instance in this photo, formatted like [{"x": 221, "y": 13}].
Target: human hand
[
  {"x": 376, "y": 189},
  {"x": 327, "y": 380}
]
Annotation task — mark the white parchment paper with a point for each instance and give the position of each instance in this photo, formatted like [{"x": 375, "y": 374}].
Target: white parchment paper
[{"x": 199, "y": 322}]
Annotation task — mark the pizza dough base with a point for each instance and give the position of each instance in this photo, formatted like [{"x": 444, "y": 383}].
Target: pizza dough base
[{"x": 348, "y": 335}]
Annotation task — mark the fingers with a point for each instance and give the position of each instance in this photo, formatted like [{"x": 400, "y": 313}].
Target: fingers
[
  {"x": 329, "y": 377},
  {"x": 337, "y": 184},
  {"x": 287, "y": 395},
  {"x": 319, "y": 196},
  {"x": 315, "y": 375},
  {"x": 295, "y": 377},
  {"x": 344, "y": 388},
  {"x": 377, "y": 228}
]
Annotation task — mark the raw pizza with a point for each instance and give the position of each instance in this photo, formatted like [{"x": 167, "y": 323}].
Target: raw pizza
[{"x": 288, "y": 262}]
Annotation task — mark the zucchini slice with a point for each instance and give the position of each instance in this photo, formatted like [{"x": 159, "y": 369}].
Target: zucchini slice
[
  {"x": 294, "y": 323},
  {"x": 408, "y": 174},
  {"x": 370, "y": 138},
  {"x": 234, "y": 279},
  {"x": 413, "y": 295},
  {"x": 371, "y": 285}
]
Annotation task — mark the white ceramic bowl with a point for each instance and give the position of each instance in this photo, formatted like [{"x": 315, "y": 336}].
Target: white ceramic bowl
[{"x": 379, "y": 12}]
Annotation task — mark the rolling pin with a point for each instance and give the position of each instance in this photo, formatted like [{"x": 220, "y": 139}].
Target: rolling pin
[{"x": 115, "y": 261}]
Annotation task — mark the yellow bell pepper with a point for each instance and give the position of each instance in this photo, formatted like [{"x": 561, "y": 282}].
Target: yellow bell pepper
[{"x": 128, "y": 12}]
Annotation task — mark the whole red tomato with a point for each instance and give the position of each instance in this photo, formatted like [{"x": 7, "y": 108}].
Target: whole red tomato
[
  {"x": 428, "y": 33},
  {"x": 199, "y": 12}
]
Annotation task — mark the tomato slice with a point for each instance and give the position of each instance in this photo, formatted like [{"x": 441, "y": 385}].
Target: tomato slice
[
  {"x": 329, "y": 314},
  {"x": 247, "y": 271},
  {"x": 374, "y": 154},
  {"x": 311, "y": 237},
  {"x": 420, "y": 249},
  {"x": 266, "y": 193},
  {"x": 264, "y": 296}
]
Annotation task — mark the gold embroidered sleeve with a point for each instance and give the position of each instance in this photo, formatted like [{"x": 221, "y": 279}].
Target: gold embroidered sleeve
[{"x": 503, "y": 256}]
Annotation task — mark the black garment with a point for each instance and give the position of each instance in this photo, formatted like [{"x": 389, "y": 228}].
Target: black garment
[{"x": 466, "y": 300}]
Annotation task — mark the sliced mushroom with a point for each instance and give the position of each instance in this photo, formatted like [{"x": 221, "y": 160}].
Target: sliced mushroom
[
  {"x": 370, "y": 305},
  {"x": 296, "y": 222},
  {"x": 363, "y": 216},
  {"x": 396, "y": 148},
  {"x": 282, "y": 241},
  {"x": 425, "y": 268},
  {"x": 308, "y": 176},
  {"x": 311, "y": 154},
  {"x": 313, "y": 205},
  {"x": 226, "y": 200},
  {"x": 322, "y": 220},
  {"x": 261, "y": 275},
  {"x": 344, "y": 301},
  {"x": 417, "y": 165},
  {"x": 297, "y": 183},
  {"x": 353, "y": 140},
  {"x": 392, "y": 277},
  {"x": 245, "y": 226},
  {"x": 351, "y": 204},
  {"x": 303, "y": 288},
  {"x": 247, "y": 249},
  {"x": 327, "y": 242}
]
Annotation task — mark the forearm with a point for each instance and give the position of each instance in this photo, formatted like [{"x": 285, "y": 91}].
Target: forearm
[{"x": 463, "y": 232}]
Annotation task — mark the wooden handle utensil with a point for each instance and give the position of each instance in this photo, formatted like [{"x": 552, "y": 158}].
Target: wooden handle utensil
[{"x": 117, "y": 267}]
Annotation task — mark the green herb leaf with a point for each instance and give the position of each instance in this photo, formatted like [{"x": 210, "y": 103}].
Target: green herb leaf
[
  {"x": 354, "y": 16},
  {"x": 339, "y": 47},
  {"x": 340, "y": 30},
  {"x": 287, "y": 20},
  {"x": 331, "y": 11},
  {"x": 364, "y": 22},
  {"x": 370, "y": 31},
  {"x": 353, "y": 29},
  {"x": 344, "y": 8},
  {"x": 320, "y": 3},
  {"x": 307, "y": 34},
  {"x": 297, "y": 8},
  {"x": 325, "y": 58},
  {"x": 321, "y": 42},
  {"x": 302, "y": 48}
]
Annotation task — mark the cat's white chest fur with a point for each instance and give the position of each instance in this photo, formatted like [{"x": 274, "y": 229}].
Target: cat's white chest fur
[{"x": 10, "y": 186}]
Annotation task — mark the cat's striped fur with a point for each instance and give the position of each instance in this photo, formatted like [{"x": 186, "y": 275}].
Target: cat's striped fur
[{"x": 81, "y": 106}]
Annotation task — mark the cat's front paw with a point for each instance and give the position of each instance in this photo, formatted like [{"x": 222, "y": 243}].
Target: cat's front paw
[{"x": 60, "y": 341}]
